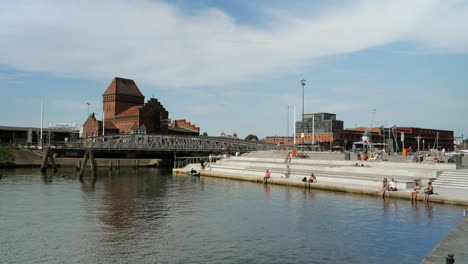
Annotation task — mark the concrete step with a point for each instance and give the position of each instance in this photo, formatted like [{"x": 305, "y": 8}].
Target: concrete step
[
  {"x": 306, "y": 172},
  {"x": 325, "y": 176},
  {"x": 452, "y": 180},
  {"x": 450, "y": 186}
]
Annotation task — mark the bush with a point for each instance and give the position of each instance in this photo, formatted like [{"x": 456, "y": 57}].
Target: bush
[{"x": 5, "y": 155}]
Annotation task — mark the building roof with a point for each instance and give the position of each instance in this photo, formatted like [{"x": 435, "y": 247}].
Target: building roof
[
  {"x": 131, "y": 111},
  {"x": 362, "y": 129},
  {"x": 52, "y": 129},
  {"x": 182, "y": 130},
  {"x": 110, "y": 125},
  {"x": 137, "y": 126},
  {"x": 123, "y": 86}
]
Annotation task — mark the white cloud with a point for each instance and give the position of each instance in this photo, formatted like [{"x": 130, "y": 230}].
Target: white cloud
[{"x": 157, "y": 43}]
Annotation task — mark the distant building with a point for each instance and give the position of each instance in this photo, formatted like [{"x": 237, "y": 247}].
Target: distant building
[
  {"x": 125, "y": 112},
  {"x": 30, "y": 136},
  {"x": 323, "y": 126},
  {"x": 182, "y": 127},
  {"x": 234, "y": 136},
  {"x": 329, "y": 134},
  {"x": 279, "y": 140}
]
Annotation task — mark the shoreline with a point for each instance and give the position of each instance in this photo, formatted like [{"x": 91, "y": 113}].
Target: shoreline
[{"x": 328, "y": 187}]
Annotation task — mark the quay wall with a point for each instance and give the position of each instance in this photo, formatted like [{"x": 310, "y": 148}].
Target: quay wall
[{"x": 320, "y": 186}]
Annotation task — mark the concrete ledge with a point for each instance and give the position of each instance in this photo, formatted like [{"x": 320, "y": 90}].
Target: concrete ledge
[{"x": 321, "y": 186}]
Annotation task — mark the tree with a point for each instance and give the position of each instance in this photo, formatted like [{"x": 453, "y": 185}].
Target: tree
[
  {"x": 205, "y": 134},
  {"x": 251, "y": 137},
  {"x": 466, "y": 140},
  {"x": 234, "y": 135}
]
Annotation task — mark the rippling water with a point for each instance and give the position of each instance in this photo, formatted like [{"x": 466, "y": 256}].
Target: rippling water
[{"x": 152, "y": 216}]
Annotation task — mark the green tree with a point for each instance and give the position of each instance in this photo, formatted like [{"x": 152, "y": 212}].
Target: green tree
[
  {"x": 250, "y": 137},
  {"x": 234, "y": 135},
  {"x": 205, "y": 134},
  {"x": 466, "y": 140}
]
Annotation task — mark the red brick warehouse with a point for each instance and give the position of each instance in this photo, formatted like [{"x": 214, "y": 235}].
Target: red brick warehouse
[{"x": 125, "y": 112}]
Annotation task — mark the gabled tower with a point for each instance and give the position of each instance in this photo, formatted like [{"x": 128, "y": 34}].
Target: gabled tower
[{"x": 119, "y": 96}]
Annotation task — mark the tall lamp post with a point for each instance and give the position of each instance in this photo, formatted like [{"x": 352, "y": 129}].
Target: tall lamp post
[
  {"x": 303, "y": 127},
  {"x": 88, "y": 109}
]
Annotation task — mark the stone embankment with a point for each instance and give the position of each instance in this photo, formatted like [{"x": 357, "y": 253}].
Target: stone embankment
[
  {"x": 33, "y": 158},
  {"x": 339, "y": 175}
]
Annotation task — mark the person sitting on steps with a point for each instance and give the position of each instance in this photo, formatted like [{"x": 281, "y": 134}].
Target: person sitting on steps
[{"x": 288, "y": 172}]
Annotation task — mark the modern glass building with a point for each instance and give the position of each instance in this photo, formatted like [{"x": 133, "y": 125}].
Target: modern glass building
[{"x": 322, "y": 122}]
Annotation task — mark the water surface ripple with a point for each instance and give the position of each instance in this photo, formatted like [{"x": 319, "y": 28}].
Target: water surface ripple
[{"x": 152, "y": 216}]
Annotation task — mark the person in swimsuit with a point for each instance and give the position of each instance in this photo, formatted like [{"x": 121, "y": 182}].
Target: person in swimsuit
[
  {"x": 428, "y": 191},
  {"x": 288, "y": 172},
  {"x": 416, "y": 190},
  {"x": 384, "y": 186}
]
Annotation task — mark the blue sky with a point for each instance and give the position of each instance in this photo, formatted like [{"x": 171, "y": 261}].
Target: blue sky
[{"x": 235, "y": 66}]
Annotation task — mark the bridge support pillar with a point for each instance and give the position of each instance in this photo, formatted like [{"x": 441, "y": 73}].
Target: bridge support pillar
[
  {"x": 83, "y": 164},
  {"x": 89, "y": 155},
  {"x": 110, "y": 164},
  {"x": 93, "y": 163},
  {"x": 45, "y": 160}
]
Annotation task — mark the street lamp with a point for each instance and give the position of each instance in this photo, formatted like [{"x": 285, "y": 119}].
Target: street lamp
[
  {"x": 88, "y": 108},
  {"x": 303, "y": 130}
]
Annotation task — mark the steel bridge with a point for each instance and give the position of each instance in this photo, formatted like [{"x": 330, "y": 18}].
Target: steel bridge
[{"x": 134, "y": 146}]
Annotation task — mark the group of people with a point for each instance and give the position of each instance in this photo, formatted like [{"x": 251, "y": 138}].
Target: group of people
[
  {"x": 392, "y": 186},
  {"x": 388, "y": 186},
  {"x": 312, "y": 177},
  {"x": 417, "y": 189}
]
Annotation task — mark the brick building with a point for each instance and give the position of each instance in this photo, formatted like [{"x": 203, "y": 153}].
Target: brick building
[
  {"x": 328, "y": 133},
  {"x": 125, "y": 112}
]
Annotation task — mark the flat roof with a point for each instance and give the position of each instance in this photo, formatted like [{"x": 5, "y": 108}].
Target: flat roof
[{"x": 55, "y": 129}]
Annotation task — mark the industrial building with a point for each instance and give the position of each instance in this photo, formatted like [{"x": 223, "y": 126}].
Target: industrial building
[
  {"x": 30, "y": 136},
  {"x": 324, "y": 131}
]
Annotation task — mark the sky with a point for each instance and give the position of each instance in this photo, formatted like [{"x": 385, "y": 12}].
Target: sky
[{"x": 236, "y": 66}]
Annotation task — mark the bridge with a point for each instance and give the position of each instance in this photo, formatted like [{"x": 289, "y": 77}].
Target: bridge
[{"x": 133, "y": 146}]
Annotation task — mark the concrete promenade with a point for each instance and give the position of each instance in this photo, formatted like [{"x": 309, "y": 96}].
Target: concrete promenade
[
  {"x": 336, "y": 174},
  {"x": 456, "y": 243}
]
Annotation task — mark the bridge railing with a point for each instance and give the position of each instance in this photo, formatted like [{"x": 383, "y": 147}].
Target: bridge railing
[{"x": 168, "y": 143}]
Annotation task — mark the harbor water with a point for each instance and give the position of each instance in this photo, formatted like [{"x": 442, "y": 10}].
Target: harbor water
[{"x": 152, "y": 216}]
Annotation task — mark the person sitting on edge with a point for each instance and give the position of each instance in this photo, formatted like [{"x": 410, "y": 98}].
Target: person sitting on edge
[
  {"x": 193, "y": 170},
  {"x": 267, "y": 176},
  {"x": 384, "y": 186},
  {"x": 392, "y": 185},
  {"x": 428, "y": 191},
  {"x": 288, "y": 172},
  {"x": 416, "y": 190}
]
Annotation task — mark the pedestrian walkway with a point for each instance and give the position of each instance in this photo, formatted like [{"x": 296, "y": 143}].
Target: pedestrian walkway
[{"x": 338, "y": 175}]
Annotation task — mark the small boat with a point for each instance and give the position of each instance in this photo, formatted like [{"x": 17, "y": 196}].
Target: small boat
[{"x": 193, "y": 173}]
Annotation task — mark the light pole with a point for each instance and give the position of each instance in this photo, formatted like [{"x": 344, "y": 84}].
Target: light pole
[
  {"x": 287, "y": 127},
  {"x": 88, "y": 108},
  {"x": 303, "y": 127}
]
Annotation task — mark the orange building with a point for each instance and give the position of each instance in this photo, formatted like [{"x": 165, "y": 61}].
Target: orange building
[{"x": 125, "y": 112}]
